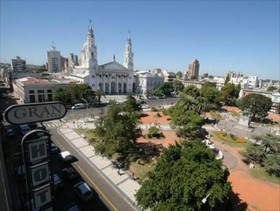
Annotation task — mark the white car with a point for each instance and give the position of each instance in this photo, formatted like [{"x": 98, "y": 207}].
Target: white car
[
  {"x": 219, "y": 154},
  {"x": 83, "y": 191},
  {"x": 78, "y": 106},
  {"x": 66, "y": 156}
]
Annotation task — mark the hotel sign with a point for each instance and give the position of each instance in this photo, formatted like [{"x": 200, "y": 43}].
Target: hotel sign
[
  {"x": 34, "y": 112},
  {"x": 36, "y": 149}
]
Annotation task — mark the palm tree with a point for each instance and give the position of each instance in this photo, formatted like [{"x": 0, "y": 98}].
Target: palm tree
[{"x": 99, "y": 94}]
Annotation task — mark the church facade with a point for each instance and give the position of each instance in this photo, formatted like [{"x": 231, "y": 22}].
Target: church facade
[{"x": 110, "y": 78}]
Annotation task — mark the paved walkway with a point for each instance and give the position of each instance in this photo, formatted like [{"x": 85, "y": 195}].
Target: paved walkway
[{"x": 123, "y": 182}]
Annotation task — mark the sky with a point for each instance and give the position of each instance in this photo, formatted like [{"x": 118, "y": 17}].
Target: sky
[{"x": 225, "y": 35}]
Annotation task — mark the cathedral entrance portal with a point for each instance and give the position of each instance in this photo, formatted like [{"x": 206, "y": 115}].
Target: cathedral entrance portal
[
  {"x": 120, "y": 88},
  {"x": 100, "y": 85},
  {"x": 124, "y": 88},
  {"x": 113, "y": 88},
  {"x": 106, "y": 88}
]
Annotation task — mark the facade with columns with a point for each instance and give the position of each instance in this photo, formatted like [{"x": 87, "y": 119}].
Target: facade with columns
[{"x": 110, "y": 78}]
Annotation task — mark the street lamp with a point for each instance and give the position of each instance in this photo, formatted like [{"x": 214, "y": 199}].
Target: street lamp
[
  {"x": 204, "y": 200},
  {"x": 87, "y": 106}
]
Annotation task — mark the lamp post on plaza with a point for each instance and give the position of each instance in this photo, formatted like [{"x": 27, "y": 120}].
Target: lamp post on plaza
[
  {"x": 87, "y": 106},
  {"x": 204, "y": 200}
]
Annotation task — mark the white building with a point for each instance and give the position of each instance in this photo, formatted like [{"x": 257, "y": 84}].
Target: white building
[
  {"x": 168, "y": 76},
  {"x": 220, "y": 81},
  {"x": 31, "y": 90},
  {"x": 110, "y": 78},
  {"x": 54, "y": 60},
  {"x": 250, "y": 82},
  {"x": 146, "y": 81},
  {"x": 18, "y": 65}
]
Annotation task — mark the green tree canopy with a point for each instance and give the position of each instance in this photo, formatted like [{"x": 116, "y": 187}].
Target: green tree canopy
[
  {"x": 230, "y": 93},
  {"x": 271, "y": 88},
  {"x": 266, "y": 152},
  {"x": 257, "y": 105},
  {"x": 191, "y": 90},
  {"x": 213, "y": 96},
  {"x": 73, "y": 93},
  {"x": 99, "y": 94},
  {"x": 117, "y": 132},
  {"x": 193, "y": 101},
  {"x": 227, "y": 79},
  {"x": 178, "y": 85},
  {"x": 131, "y": 104},
  {"x": 187, "y": 123},
  {"x": 165, "y": 88},
  {"x": 179, "y": 75},
  {"x": 184, "y": 175}
]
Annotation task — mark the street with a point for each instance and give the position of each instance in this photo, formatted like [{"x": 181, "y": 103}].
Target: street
[{"x": 108, "y": 195}]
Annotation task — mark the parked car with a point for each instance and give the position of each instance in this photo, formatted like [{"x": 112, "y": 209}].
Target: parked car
[
  {"x": 54, "y": 148},
  {"x": 10, "y": 133},
  {"x": 78, "y": 106},
  {"x": 83, "y": 191},
  {"x": 152, "y": 97},
  {"x": 24, "y": 129},
  {"x": 118, "y": 164},
  {"x": 57, "y": 182},
  {"x": 219, "y": 154},
  {"x": 71, "y": 207},
  {"x": 69, "y": 173},
  {"x": 66, "y": 156}
]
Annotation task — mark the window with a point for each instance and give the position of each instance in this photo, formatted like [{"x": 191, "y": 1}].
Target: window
[
  {"x": 49, "y": 97},
  {"x": 32, "y": 98},
  {"x": 49, "y": 91},
  {"x": 31, "y": 91},
  {"x": 93, "y": 76},
  {"x": 41, "y": 95}
]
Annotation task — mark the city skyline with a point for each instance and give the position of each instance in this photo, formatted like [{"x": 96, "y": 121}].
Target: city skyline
[{"x": 223, "y": 35}]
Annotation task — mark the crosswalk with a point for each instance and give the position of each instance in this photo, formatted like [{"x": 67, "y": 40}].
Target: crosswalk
[
  {"x": 49, "y": 125},
  {"x": 52, "y": 124}
]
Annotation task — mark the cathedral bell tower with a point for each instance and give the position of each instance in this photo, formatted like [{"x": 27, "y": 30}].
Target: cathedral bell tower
[
  {"x": 128, "y": 57},
  {"x": 89, "y": 51}
]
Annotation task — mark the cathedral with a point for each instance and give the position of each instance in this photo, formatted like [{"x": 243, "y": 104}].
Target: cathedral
[{"x": 110, "y": 78}]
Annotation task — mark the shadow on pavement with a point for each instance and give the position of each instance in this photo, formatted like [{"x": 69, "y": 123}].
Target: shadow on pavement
[{"x": 236, "y": 204}]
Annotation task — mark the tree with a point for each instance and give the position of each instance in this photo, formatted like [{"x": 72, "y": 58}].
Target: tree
[
  {"x": 213, "y": 96},
  {"x": 178, "y": 85},
  {"x": 193, "y": 77},
  {"x": 117, "y": 132},
  {"x": 73, "y": 93},
  {"x": 165, "y": 88},
  {"x": 179, "y": 75},
  {"x": 266, "y": 152},
  {"x": 154, "y": 132},
  {"x": 257, "y": 105},
  {"x": 99, "y": 94},
  {"x": 187, "y": 123},
  {"x": 184, "y": 175},
  {"x": 272, "y": 164},
  {"x": 61, "y": 94},
  {"x": 191, "y": 99},
  {"x": 278, "y": 109},
  {"x": 191, "y": 90},
  {"x": 227, "y": 79},
  {"x": 271, "y": 88},
  {"x": 131, "y": 105},
  {"x": 230, "y": 93}
]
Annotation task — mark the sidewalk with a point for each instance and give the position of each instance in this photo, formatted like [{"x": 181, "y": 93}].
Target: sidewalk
[{"x": 122, "y": 182}]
